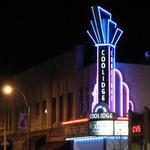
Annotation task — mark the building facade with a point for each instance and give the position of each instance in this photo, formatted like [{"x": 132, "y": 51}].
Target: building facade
[
  {"x": 60, "y": 90},
  {"x": 57, "y": 90}
]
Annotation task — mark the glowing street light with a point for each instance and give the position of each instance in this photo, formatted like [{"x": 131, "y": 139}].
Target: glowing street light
[{"x": 8, "y": 89}]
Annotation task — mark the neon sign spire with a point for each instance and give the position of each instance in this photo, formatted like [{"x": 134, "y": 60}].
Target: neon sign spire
[
  {"x": 109, "y": 81},
  {"x": 104, "y": 30}
]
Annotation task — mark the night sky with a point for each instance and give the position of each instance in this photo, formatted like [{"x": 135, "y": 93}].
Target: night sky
[{"x": 32, "y": 31}]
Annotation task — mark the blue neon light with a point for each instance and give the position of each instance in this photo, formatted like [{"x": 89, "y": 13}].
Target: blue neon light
[
  {"x": 116, "y": 37},
  {"x": 104, "y": 30},
  {"x": 96, "y": 36},
  {"x": 94, "y": 138},
  {"x": 96, "y": 26},
  {"x": 112, "y": 29}
]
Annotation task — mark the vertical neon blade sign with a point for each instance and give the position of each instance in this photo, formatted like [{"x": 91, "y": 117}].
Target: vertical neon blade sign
[{"x": 105, "y": 35}]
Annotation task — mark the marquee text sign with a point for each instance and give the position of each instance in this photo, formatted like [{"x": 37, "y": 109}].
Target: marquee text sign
[{"x": 101, "y": 116}]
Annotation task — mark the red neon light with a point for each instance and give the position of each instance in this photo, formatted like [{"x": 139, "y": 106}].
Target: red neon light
[
  {"x": 76, "y": 121},
  {"x": 122, "y": 118},
  {"x": 136, "y": 129}
]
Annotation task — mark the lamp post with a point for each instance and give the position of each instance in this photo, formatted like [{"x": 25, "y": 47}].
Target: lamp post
[
  {"x": 5, "y": 135},
  {"x": 7, "y": 89}
]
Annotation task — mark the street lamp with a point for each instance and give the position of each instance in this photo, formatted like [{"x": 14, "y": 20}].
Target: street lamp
[{"x": 7, "y": 89}]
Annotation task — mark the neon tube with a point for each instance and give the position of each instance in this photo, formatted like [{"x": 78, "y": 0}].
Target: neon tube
[
  {"x": 127, "y": 100},
  {"x": 94, "y": 31},
  {"x": 96, "y": 23},
  {"x": 121, "y": 92},
  {"x": 122, "y": 118},
  {"x": 132, "y": 105},
  {"x": 75, "y": 121}
]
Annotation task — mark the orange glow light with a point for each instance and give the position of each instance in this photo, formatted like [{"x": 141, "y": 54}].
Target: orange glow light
[
  {"x": 76, "y": 121},
  {"x": 122, "y": 118}
]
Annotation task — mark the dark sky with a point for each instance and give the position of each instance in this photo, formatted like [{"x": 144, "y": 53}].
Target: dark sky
[{"x": 32, "y": 31}]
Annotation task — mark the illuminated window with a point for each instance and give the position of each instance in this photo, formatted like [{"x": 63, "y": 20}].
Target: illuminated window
[
  {"x": 53, "y": 106},
  {"x": 37, "y": 113},
  {"x": 70, "y": 105},
  {"x": 61, "y": 108},
  {"x": 7, "y": 116},
  {"x": 17, "y": 118},
  {"x": 1, "y": 120},
  {"x": 44, "y": 112}
]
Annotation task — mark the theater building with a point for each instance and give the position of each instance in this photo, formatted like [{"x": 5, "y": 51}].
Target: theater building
[
  {"x": 59, "y": 95},
  {"x": 78, "y": 102}
]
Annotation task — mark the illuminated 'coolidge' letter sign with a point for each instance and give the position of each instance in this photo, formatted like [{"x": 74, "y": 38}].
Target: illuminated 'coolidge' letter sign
[
  {"x": 105, "y": 78},
  {"x": 103, "y": 74}
]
